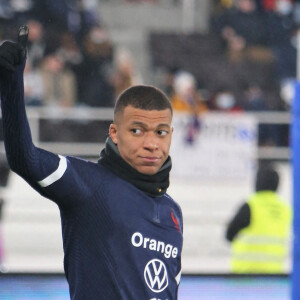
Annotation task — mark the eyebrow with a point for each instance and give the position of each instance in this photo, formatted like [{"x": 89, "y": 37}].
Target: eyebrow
[{"x": 145, "y": 125}]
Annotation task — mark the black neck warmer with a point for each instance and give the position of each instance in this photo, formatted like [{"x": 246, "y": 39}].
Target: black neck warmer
[{"x": 152, "y": 185}]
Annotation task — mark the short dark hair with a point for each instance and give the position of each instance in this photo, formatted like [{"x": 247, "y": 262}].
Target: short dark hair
[
  {"x": 145, "y": 97},
  {"x": 267, "y": 179}
]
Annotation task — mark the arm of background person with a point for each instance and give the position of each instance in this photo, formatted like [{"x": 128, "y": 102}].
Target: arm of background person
[{"x": 239, "y": 221}]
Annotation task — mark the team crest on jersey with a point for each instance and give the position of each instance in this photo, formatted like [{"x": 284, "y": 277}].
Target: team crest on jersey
[
  {"x": 156, "y": 275},
  {"x": 175, "y": 220}
]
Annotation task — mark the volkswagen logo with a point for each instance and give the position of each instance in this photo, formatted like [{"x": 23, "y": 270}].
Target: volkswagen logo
[{"x": 156, "y": 275}]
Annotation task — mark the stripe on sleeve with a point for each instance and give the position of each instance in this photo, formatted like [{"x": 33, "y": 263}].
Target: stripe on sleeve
[
  {"x": 177, "y": 278},
  {"x": 57, "y": 174}
]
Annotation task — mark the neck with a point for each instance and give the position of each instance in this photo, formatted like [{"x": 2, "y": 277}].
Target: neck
[{"x": 153, "y": 185}]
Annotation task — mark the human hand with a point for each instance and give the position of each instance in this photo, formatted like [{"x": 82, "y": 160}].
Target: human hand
[{"x": 13, "y": 53}]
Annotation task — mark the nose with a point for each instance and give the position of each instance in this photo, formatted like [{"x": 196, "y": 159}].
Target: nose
[{"x": 150, "y": 142}]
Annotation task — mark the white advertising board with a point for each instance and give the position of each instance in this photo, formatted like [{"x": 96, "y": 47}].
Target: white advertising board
[{"x": 214, "y": 146}]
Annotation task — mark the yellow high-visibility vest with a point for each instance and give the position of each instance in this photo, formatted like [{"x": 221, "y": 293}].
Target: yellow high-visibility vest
[{"x": 262, "y": 247}]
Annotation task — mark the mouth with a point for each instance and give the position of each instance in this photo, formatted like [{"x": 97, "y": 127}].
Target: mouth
[{"x": 149, "y": 159}]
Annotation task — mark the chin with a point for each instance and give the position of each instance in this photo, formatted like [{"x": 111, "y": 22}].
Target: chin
[{"x": 147, "y": 170}]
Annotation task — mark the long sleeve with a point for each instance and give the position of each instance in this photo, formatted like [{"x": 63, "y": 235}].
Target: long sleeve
[
  {"x": 239, "y": 221},
  {"x": 61, "y": 179},
  {"x": 23, "y": 157}
]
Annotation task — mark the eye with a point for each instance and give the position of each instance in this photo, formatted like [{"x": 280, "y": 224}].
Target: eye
[
  {"x": 162, "y": 132},
  {"x": 136, "y": 131}
]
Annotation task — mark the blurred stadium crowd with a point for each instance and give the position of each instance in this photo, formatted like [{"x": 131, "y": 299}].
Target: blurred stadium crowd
[
  {"x": 69, "y": 53},
  {"x": 261, "y": 36},
  {"x": 246, "y": 62}
]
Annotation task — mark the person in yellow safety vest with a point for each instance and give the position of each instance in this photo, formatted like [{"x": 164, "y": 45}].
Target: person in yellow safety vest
[{"x": 260, "y": 230}]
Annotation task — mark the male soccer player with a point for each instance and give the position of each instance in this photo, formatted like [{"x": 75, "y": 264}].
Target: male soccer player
[{"x": 122, "y": 234}]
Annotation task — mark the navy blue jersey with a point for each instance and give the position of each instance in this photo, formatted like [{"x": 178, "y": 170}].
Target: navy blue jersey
[{"x": 119, "y": 243}]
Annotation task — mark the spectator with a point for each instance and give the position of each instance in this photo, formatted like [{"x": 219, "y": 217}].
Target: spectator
[
  {"x": 124, "y": 74},
  {"x": 84, "y": 18},
  {"x": 282, "y": 32},
  {"x": 95, "y": 90},
  {"x": 23, "y": 10},
  {"x": 186, "y": 96},
  {"x": 254, "y": 101},
  {"x": 69, "y": 50},
  {"x": 268, "y": 5},
  {"x": 82, "y": 48},
  {"x": 54, "y": 12},
  {"x": 224, "y": 100},
  {"x": 59, "y": 82},
  {"x": 168, "y": 82},
  {"x": 244, "y": 31},
  {"x": 6, "y": 18},
  {"x": 36, "y": 43},
  {"x": 77, "y": 17},
  {"x": 271, "y": 5},
  {"x": 259, "y": 232},
  {"x": 242, "y": 22},
  {"x": 70, "y": 53}
]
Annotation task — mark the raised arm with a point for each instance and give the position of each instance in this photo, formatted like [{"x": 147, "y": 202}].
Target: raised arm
[
  {"x": 38, "y": 167},
  {"x": 23, "y": 157}
]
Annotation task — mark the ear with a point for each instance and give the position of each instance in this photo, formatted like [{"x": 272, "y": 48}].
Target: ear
[{"x": 113, "y": 129}]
